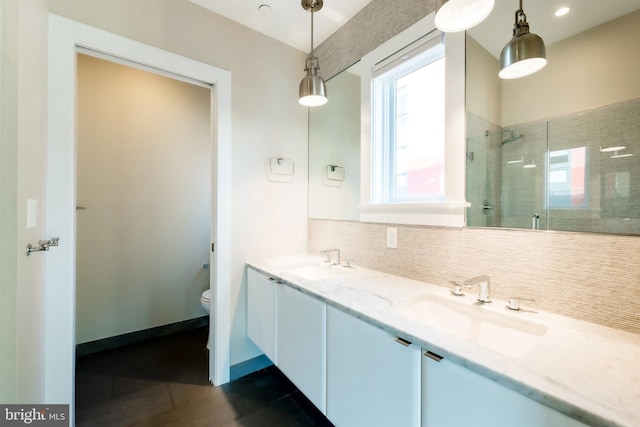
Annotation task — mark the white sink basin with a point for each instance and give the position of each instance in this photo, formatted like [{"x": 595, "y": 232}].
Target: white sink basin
[
  {"x": 499, "y": 332},
  {"x": 312, "y": 271}
]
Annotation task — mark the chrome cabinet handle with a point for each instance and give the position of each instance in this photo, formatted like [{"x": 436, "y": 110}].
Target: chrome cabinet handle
[{"x": 403, "y": 341}]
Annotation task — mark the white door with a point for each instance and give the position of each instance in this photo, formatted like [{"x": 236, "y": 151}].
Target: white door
[{"x": 65, "y": 37}]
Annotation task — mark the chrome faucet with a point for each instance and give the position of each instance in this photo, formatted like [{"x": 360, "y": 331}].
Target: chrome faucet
[
  {"x": 482, "y": 281},
  {"x": 327, "y": 253}
]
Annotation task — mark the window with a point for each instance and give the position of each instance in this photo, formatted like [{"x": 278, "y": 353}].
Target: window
[
  {"x": 413, "y": 129},
  {"x": 567, "y": 178},
  {"x": 408, "y": 120}
]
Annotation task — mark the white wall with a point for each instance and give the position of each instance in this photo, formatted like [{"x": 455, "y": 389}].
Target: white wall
[
  {"x": 8, "y": 201},
  {"x": 268, "y": 218},
  {"x": 22, "y": 161},
  {"x": 144, "y": 178}
]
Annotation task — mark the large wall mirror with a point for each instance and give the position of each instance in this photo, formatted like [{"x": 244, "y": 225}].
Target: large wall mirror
[
  {"x": 537, "y": 147},
  {"x": 559, "y": 149},
  {"x": 334, "y": 150}
]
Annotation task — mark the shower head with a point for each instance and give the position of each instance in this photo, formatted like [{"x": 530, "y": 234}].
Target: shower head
[{"x": 511, "y": 138}]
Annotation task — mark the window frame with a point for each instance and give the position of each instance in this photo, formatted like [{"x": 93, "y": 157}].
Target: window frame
[
  {"x": 426, "y": 52},
  {"x": 450, "y": 211}
]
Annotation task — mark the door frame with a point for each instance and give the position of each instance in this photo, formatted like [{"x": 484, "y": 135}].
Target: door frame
[{"x": 65, "y": 38}]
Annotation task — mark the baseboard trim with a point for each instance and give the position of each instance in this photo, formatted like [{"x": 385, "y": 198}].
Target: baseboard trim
[
  {"x": 111, "y": 343},
  {"x": 249, "y": 366}
]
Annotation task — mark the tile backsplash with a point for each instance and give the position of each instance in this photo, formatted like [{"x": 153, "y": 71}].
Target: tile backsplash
[{"x": 592, "y": 277}]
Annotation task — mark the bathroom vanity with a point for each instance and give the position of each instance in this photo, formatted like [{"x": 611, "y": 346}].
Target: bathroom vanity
[{"x": 372, "y": 349}]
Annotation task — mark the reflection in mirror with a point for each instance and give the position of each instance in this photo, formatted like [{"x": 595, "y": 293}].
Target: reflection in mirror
[
  {"x": 334, "y": 150},
  {"x": 546, "y": 151}
]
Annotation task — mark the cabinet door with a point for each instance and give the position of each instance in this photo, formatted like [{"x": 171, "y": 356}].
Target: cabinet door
[
  {"x": 302, "y": 349},
  {"x": 453, "y": 396},
  {"x": 261, "y": 312},
  {"x": 372, "y": 380}
]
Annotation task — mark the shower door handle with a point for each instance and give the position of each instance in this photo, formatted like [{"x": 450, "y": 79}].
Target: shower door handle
[
  {"x": 486, "y": 207},
  {"x": 535, "y": 221}
]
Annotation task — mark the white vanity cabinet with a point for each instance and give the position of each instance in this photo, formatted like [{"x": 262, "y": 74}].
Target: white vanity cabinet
[
  {"x": 372, "y": 380},
  {"x": 261, "y": 312},
  {"x": 301, "y": 343},
  {"x": 454, "y": 396}
]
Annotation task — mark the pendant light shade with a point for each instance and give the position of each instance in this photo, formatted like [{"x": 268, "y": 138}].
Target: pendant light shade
[
  {"x": 525, "y": 53},
  {"x": 459, "y": 15},
  {"x": 313, "y": 91}
]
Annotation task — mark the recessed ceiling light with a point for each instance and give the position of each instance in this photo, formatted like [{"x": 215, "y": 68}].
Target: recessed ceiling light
[
  {"x": 612, "y": 148},
  {"x": 562, "y": 11}
]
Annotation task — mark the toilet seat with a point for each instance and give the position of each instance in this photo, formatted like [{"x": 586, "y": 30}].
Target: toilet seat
[{"x": 205, "y": 302}]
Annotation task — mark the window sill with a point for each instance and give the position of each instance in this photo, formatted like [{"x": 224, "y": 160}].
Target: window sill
[{"x": 446, "y": 214}]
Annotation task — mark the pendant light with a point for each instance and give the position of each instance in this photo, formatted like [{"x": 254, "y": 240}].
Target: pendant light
[
  {"x": 313, "y": 91},
  {"x": 525, "y": 53},
  {"x": 459, "y": 15}
]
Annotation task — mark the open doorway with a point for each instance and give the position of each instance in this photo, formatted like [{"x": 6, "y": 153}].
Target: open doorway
[
  {"x": 143, "y": 197},
  {"x": 65, "y": 39}
]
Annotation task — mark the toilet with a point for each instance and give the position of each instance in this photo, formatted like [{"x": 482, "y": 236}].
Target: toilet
[{"x": 205, "y": 302}]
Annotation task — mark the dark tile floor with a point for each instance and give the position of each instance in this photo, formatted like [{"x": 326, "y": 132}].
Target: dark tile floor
[{"x": 164, "y": 382}]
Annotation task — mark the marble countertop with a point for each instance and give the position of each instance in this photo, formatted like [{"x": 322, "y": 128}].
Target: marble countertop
[{"x": 587, "y": 371}]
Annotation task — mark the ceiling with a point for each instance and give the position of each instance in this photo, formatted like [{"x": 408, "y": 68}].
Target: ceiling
[
  {"x": 495, "y": 31},
  {"x": 289, "y": 23}
]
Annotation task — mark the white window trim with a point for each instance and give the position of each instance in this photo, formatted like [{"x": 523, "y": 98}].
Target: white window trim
[{"x": 451, "y": 212}]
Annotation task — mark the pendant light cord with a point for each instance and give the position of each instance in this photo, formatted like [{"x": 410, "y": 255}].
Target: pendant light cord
[{"x": 313, "y": 6}]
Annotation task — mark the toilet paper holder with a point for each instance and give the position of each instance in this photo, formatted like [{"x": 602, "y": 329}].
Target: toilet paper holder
[{"x": 43, "y": 245}]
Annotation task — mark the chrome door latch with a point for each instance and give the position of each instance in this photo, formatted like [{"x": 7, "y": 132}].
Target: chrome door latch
[{"x": 43, "y": 245}]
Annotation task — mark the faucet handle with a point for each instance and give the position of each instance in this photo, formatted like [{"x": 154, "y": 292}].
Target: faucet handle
[
  {"x": 513, "y": 303},
  {"x": 457, "y": 289}
]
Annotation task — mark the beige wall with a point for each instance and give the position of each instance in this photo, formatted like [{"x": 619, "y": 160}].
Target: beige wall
[
  {"x": 592, "y": 69},
  {"x": 586, "y": 276},
  {"x": 266, "y": 119},
  {"x": 144, "y": 151},
  {"x": 484, "y": 87},
  {"x": 377, "y": 22}
]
